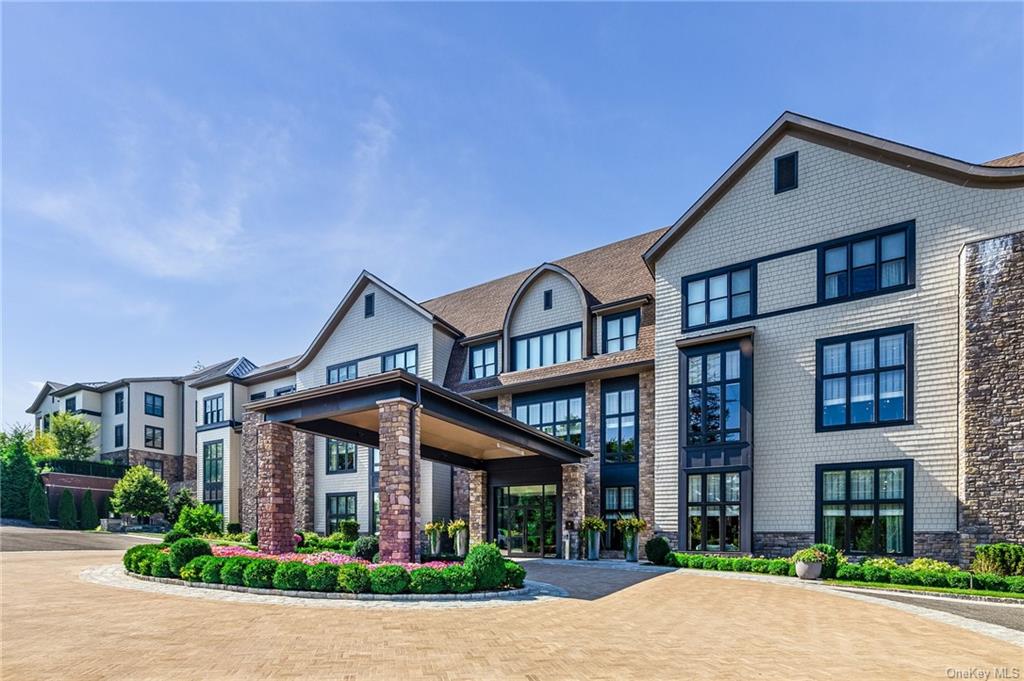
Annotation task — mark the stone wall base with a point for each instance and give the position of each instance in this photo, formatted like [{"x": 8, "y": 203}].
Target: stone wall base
[
  {"x": 944, "y": 546},
  {"x": 781, "y": 544}
]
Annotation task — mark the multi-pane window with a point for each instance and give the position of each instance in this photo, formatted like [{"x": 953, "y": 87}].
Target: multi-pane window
[
  {"x": 620, "y": 426},
  {"x": 213, "y": 409},
  {"x": 713, "y": 511},
  {"x": 561, "y": 417},
  {"x": 546, "y": 348},
  {"x": 154, "y": 437},
  {"x": 620, "y": 331},
  {"x": 719, "y": 298},
  {"x": 256, "y": 397},
  {"x": 400, "y": 359},
  {"x": 864, "y": 379},
  {"x": 213, "y": 475},
  {"x": 284, "y": 390},
  {"x": 864, "y": 265},
  {"x": 341, "y": 372},
  {"x": 71, "y": 404},
  {"x": 483, "y": 361},
  {"x": 155, "y": 465},
  {"x": 864, "y": 508},
  {"x": 119, "y": 402},
  {"x": 617, "y": 502},
  {"x": 119, "y": 435},
  {"x": 340, "y": 507},
  {"x": 341, "y": 456},
  {"x": 713, "y": 397},
  {"x": 154, "y": 404}
]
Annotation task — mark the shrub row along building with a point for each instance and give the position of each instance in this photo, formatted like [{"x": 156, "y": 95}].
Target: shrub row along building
[{"x": 827, "y": 346}]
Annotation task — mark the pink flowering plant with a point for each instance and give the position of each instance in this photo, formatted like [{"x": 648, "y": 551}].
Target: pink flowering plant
[{"x": 317, "y": 558}]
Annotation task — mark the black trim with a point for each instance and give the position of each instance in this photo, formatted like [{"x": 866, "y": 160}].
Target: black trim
[
  {"x": 119, "y": 402},
  {"x": 605, "y": 319},
  {"x": 209, "y": 414},
  {"x": 90, "y": 412},
  {"x": 779, "y": 187},
  {"x": 369, "y": 305},
  {"x": 392, "y": 353},
  {"x": 327, "y": 457},
  {"x": 262, "y": 395},
  {"x": 620, "y": 473},
  {"x": 728, "y": 270},
  {"x": 343, "y": 365},
  {"x": 553, "y": 395},
  {"x": 482, "y": 347},
  {"x": 910, "y": 258},
  {"x": 219, "y": 424},
  {"x": 147, "y": 406},
  {"x": 347, "y": 516},
  {"x": 284, "y": 390},
  {"x": 549, "y": 299},
  {"x": 119, "y": 435},
  {"x": 538, "y": 334}
]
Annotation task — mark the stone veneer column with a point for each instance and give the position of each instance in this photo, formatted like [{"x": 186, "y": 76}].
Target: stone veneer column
[
  {"x": 592, "y": 414},
  {"x": 505, "y": 404},
  {"x": 276, "y": 511},
  {"x": 249, "y": 469},
  {"x": 573, "y": 503},
  {"x": 304, "y": 443},
  {"x": 477, "y": 506},
  {"x": 460, "y": 493},
  {"x": 399, "y": 481},
  {"x": 645, "y": 501},
  {"x": 991, "y": 486}
]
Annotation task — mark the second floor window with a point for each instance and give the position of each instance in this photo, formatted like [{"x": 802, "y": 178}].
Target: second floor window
[
  {"x": 713, "y": 397},
  {"x": 284, "y": 390},
  {"x": 400, "y": 359},
  {"x": 620, "y": 331},
  {"x": 119, "y": 435},
  {"x": 255, "y": 397},
  {"x": 213, "y": 409},
  {"x": 620, "y": 431},
  {"x": 483, "y": 361},
  {"x": 864, "y": 265},
  {"x": 71, "y": 404},
  {"x": 546, "y": 348},
  {"x": 154, "y": 404},
  {"x": 154, "y": 437},
  {"x": 719, "y": 298},
  {"x": 119, "y": 402},
  {"x": 341, "y": 372},
  {"x": 341, "y": 456},
  {"x": 561, "y": 417}
]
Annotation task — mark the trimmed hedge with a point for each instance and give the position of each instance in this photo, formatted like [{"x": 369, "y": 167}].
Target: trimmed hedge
[
  {"x": 160, "y": 565},
  {"x": 515, "y": 575},
  {"x": 212, "y": 569},
  {"x": 657, "y": 550},
  {"x": 487, "y": 565},
  {"x": 459, "y": 579},
  {"x": 232, "y": 570},
  {"x": 174, "y": 535},
  {"x": 354, "y": 578},
  {"x": 425, "y": 580},
  {"x": 291, "y": 576},
  {"x": 366, "y": 548},
  {"x": 133, "y": 555},
  {"x": 184, "y": 550},
  {"x": 389, "y": 579},
  {"x": 193, "y": 570},
  {"x": 259, "y": 574},
  {"x": 67, "y": 512},
  {"x": 323, "y": 577},
  {"x": 1000, "y": 559}
]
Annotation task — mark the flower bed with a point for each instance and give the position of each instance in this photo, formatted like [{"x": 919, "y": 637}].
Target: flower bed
[{"x": 317, "y": 558}]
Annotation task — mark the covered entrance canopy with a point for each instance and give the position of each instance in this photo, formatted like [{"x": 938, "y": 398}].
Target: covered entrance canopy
[{"x": 407, "y": 418}]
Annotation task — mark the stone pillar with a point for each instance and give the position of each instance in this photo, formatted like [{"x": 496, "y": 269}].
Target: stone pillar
[
  {"x": 276, "y": 510},
  {"x": 460, "y": 493},
  {"x": 505, "y": 404},
  {"x": 573, "y": 503},
  {"x": 592, "y": 414},
  {"x": 991, "y": 486},
  {"x": 303, "y": 446},
  {"x": 399, "y": 481},
  {"x": 645, "y": 500},
  {"x": 249, "y": 469},
  {"x": 477, "y": 506}
]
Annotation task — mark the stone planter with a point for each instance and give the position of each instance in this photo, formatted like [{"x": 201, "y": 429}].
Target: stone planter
[
  {"x": 462, "y": 543},
  {"x": 808, "y": 570},
  {"x": 631, "y": 546},
  {"x": 435, "y": 543},
  {"x": 593, "y": 545}
]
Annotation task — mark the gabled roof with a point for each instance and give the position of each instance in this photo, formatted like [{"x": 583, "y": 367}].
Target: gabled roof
[
  {"x": 998, "y": 173},
  {"x": 48, "y": 387},
  {"x": 234, "y": 368}
]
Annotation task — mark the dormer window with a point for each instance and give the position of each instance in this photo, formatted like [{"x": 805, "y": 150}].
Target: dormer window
[
  {"x": 483, "y": 361},
  {"x": 548, "y": 299},
  {"x": 620, "y": 331},
  {"x": 786, "y": 173},
  {"x": 368, "y": 305}
]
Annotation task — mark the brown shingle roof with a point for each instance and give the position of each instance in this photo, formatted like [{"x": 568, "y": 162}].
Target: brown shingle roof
[{"x": 1011, "y": 161}]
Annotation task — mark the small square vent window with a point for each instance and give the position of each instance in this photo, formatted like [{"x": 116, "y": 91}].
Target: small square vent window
[
  {"x": 785, "y": 173},
  {"x": 547, "y": 299}
]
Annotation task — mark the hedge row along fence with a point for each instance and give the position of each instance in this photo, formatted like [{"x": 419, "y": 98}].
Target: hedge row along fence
[{"x": 194, "y": 560}]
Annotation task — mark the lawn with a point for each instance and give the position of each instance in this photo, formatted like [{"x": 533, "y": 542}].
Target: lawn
[{"x": 925, "y": 589}]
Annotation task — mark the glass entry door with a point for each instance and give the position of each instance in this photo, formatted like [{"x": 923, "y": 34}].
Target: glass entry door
[{"x": 527, "y": 519}]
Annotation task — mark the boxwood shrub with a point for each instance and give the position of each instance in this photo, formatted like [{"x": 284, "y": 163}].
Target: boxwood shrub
[
  {"x": 184, "y": 550},
  {"x": 778, "y": 566},
  {"x": 259, "y": 574},
  {"x": 515, "y": 575},
  {"x": 850, "y": 572},
  {"x": 487, "y": 565},
  {"x": 291, "y": 576},
  {"x": 354, "y": 578},
  {"x": 727, "y": 564},
  {"x": 932, "y": 578},
  {"x": 904, "y": 576},
  {"x": 193, "y": 570},
  {"x": 1015, "y": 584},
  {"x": 231, "y": 571},
  {"x": 131, "y": 557},
  {"x": 366, "y": 548},
  {"x": 175, "y": 534},
  {"x": 875, "y": 573},
  {"x": 959, "y": 579},
  {"x": 657, "y": 550},
  {"x": 989, "y": 582},
  {"x": 212, "y": 569},
  {"x": 425, "y": 580},
  {"x": 458, "y": 579},
  {"x": 160, "y": 565},
  {"x": 710, "y": 562},
  {"x": 759, "y": 565},
  {"x": 741, "y": 565},
  {"x": 1000, "y": 559},
  {"x": 389, "y": 579},
  {"x": 323, "y": 577}
]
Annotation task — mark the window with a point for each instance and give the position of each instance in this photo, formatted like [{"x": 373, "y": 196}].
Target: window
[
  {"x": 483, "y": 361},
  {"x": 548, "y": 299},
  {"x": 719, "y": 298},
  {"x": 617, "y": 502},
  {"x": 154, "y": 437},
  {"x": 46, "y": 423},
  {"x": 154, "y": 404},
  {"x": 341, "y": 456},
  {"x": 375, "y": 515},
  {"x": 713, "y": 397},
  {"x": 119, "y": 435},
  {"x": 400, "y": 359},
  {"x": 340, "y": 507},
  {"x": 864, "y": 265},
  {"x": 546, "y": 348},
  {"x": 213, "y": 475},
  {"x": 620, "y": 331},
  {"x": 71, "y": 404},
  {"x": 119, "y": 402},
  {"x": 866, "y": 507},
  {"x": 284, "y": 390},
  {"x": 213, "y": 409},
  {"x": 255, "y": 397},
  {"x": 155, "y": 465},
  {"x": 713, "y": 511},
  {"x": 786, "y": 173},
  {"x": 341, "y": 372},
  {"x": 864, "y": 380},
  {"x": 560, "y": 416},
  {"x": 620, "y": 425},
  {"x": 368, "y": 305}
]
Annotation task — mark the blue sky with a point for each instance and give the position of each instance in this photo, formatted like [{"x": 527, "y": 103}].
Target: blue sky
[{"x": 197, "y": 181}]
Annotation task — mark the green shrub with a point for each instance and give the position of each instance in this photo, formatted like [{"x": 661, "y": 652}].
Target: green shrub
[
  {"x": 354, "y": 578},
  {"x": 254, "y": 538},
  {"x": 199, "y": 520},
  {"x": 487, "y": 565},
  {"x": 232, "y": 570},
  {"x": 174, "y": 535},
  {"x": 778, "y": 566},
  {"x": 425, "y": 580},
  {"x": 458, "y": 579},
  {"x": 212, "y": 569},
  {"x": 1015, "y": 584},
  {"x": 903, "y": 575},
  {"x": 657, "y": 550},
  {"x": 792, "y": 570},
  {"x": 999, "y": 559},
  {"x": 958, "y": 579},
  {"x": 366, "y": 548},
  {"x": 389, "y": 579},
  {"x": 185, "y": 498},
  {"x": 741, "y": 565},
  {"x": 759, "y": 565},
  {"x": 884, "y": 563},
  {"x": 727, "y": 564},
  {"x": 322, "y": 577},
  {"x": 135, "y": 554},
  {"x": 831, "y": 562},
  {"x": 259, "y": 574},
  {"x": 850, "y": 572},
  {"x": 160, "y": 565},
  {"x": 875, "y": 573},
  {"x": 932, "y": 577},
  {"x": 986, "y": 581},
  {"x": 679, "y": 560},
  {"x": 921, "y": 564},
  {"x": 291, "y": 576},
  {"x": 90, "y": 518},
  {"x": 67, "y": 514},
  {"x": 38, "y": 510},
  {"x": 234, "y": 528},
  {"x": 144, "y": 563},
  {"x": 184, "y": 550},
  {"x": 193, "y": 570},
  {"x": 710, "y": 563},
  {"x": 349, "y": 530},
  {"x": 515, "y": 575}
]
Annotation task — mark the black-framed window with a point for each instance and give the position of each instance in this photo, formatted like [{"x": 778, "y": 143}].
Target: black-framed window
[
  {"x": 786, "y": 174},
  {"x": 713, "y": 394},
  {"x": 399, "y": 359},
  {"x": 545, "y": 348},
  {"x": 255, "y": 397},
  {"x": 483, "y": 360},
  {"x": 71, "y": 404},
  {"x": 620, "y": 440},
  {"x": 155, "y": 465},
  {"x": 368, "y": 305},
  {"x": 865, "y": 379},
  {"x": 119, "y": 402},
  {"x": 341, "y": 456},
  {"x": 213, "y": 409},
  {"x": 375, "y": 512},
  {"x": 284, "y": 390},
  {"x": 213, "y": 474},
  {"x": 720, "y": 297},
  {"x": 559, "y": 414},
  {"x": 618, "y": 501},
  {"x": 340, "y": 506},
  {"x": 341, "y": 372},
  {"x": 866, "y": 264},
  {"x": 154, "y": 437},
  {"x": 119, "y": 435},
  {"x": 154, "y": 404},
  {"x": 46, "y": 423},
  {"x": 620, "y": 331},
  {"x": 866, "y": 507},
  {"x": 713, "y": 511},
  {"x": 548, "y": 299}
]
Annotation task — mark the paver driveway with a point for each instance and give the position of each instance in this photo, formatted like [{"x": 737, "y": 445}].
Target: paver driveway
[{"x": 673, "y": 626}]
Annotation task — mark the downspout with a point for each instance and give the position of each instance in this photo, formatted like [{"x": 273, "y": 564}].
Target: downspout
[{"x": 414, "y": 531}]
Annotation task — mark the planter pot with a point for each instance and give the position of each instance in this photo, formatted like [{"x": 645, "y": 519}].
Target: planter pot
[
  {"x": 462, "y": 543},
  {"x": 631, "y": 547},
  {"x": 808, "y": 570},
  {"x": 593, "y": 545},
  {"x": 435, "y": 544}
]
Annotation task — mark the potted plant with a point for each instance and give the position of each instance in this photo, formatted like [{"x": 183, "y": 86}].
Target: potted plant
[
  {"x": 458, "y": 530},
  {"x": 808, "y": 563},
  {"x": 433, "y": 531},
  {"x": 631, "y": 529},
  {"x": 593, "y": 528}
]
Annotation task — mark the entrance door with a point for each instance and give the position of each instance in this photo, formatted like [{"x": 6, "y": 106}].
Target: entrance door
[{"x": 527, "y": 519}]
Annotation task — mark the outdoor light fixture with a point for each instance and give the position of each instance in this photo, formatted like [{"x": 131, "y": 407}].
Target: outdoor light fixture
[{"x": 517, "y": 450}]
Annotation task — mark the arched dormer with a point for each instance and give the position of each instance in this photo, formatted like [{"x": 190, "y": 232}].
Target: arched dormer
[{"x": 549, "y": 298}]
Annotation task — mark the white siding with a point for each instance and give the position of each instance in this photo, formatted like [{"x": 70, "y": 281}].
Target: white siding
[
  {"x": 232, "y": 469},
  {"x": 529, "y": 314},
  {"x": 170, "y": 422},
  {"x": 442, "y": 352},
  {"x": 324, "y": 484},
  {"x": 268, "y": 387},
  {"x": 112, "y": 420}
]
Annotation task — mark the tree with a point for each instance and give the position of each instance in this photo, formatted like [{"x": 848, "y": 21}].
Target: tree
[
  {"x": 199, "y": 521},
  {"x": 67, "y": 514},
  {"x": 140, "y": 493},
  {"x": 90, "y": 518},
  {"x": 18, "y": 473},
  {"x": 43, "y": 447},
  {"x": 74, "y": 435},
  {"x": 38, "y": 510},
  {"x": 182, "y": 500}
]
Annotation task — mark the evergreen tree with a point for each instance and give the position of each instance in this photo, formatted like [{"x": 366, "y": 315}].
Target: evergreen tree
[
  {"x": 17, "y": 473},
  {"x": 38, "y": 511},
  {"x": 67, "y": 514},
  {"x": 90, "y": 518}
]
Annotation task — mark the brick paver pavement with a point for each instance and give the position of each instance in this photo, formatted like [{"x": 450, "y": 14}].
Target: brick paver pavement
[{"x": 674, "y": 626}]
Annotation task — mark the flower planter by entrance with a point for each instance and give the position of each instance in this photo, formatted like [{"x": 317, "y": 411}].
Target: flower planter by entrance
[
  {"x": 808, "y": 570},
  {"x": 632, "y": 548},
  {"x": 593, "y": 544},
  {"x": 461, "y": 543}
]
